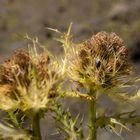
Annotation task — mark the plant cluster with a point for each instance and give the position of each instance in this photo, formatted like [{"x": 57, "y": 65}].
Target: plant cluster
[{"x": 33, "y": 83}]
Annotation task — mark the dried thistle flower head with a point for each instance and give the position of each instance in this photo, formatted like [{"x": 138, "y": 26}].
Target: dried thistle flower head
[
  {"x": 28, "y": 80},
  {"x": 17, "y": 64},
  {"x": 100, "y": 60}
]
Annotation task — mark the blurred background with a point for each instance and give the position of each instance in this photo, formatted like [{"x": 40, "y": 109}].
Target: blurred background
[{"x": 18, "y": 17}]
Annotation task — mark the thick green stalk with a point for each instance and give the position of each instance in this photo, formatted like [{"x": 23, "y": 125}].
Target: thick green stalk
[
  {"x": 93, "y": 131},
  {"x": 36, "y": 126}
]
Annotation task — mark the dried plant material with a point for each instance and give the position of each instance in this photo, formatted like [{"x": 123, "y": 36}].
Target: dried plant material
[
  {"x": 31, "y": 81},
  {"x": 100, "y": 60},
  {"x": 8, "y": 132},
  {"x": 28, "y": 79}
]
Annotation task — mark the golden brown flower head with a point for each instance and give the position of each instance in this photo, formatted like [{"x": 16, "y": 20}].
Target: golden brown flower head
[
  {"x": 105, "y": 46},
  {"x": 15, "y": 67},
  {"x": 101, "y": 59},
  {"x": 28, "y": 78}
]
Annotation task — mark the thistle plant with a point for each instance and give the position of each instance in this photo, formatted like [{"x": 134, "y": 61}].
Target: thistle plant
[
  {"x": 99, "y": 62},
  {"x": 28, "y": 82},
  {"x": 100, "y": 66},
  {"x": 33, "y": 83}
]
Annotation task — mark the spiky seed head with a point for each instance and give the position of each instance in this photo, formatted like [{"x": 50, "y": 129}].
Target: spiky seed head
[
  {"x": 27, "y": 79},
  {"x": 100, "y": 60}
]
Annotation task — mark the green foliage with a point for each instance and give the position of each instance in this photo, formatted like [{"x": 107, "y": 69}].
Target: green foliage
[{"x": 67, "y": 125}]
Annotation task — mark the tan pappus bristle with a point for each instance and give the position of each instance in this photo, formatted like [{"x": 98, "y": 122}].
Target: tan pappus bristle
[
  {"x": 83, "y": 54},
  {"x": 21, "y": 57}
]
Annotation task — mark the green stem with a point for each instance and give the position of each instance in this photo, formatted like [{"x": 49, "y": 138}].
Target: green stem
[
  {"x": 93, "y": 131},
  {"x": 36, "y": 126}
]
